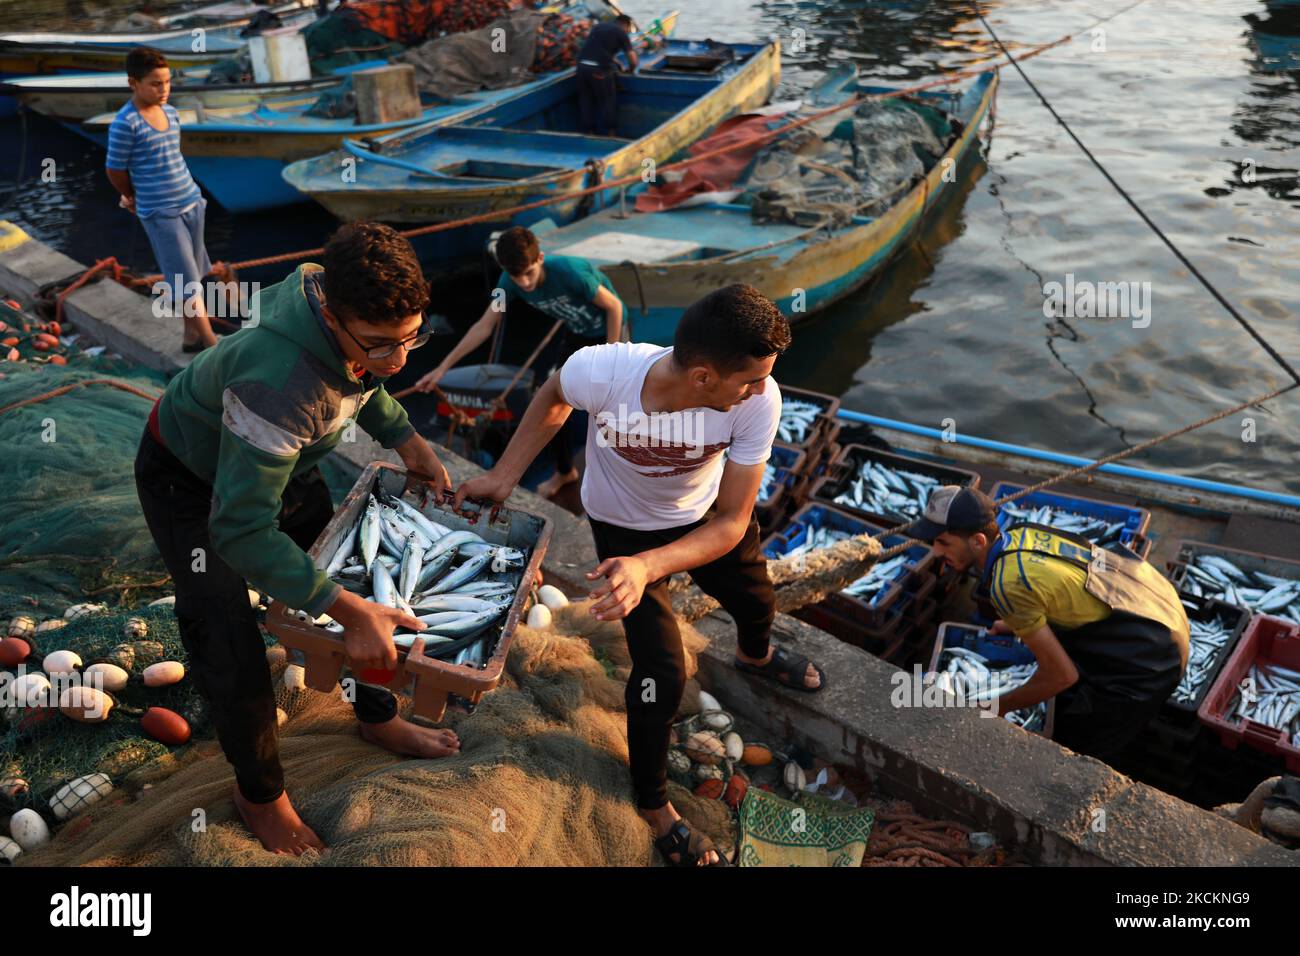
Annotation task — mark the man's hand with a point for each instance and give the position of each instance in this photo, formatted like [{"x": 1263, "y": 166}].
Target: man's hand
[
  {"x": 424, "y": 470},
  {"x": 492, "y": 485},
  {"x": 127, "y": 203},
  {"x": 368, "y": 631},
  {"x": 430, "y": 379},
  {"x": 1000, "y": 627},
  {"x": 625, "y": 581}
]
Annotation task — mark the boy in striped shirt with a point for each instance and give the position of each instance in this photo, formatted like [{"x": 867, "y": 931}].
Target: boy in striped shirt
[{"x": 145, "y": 165}]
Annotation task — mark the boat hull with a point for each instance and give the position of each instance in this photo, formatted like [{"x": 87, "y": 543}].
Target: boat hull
[
  {"x": 74, "y": 104},
  {"x": 818, "y": 275}
]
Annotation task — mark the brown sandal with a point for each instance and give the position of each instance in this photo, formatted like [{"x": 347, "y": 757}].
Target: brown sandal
[{"x": 689, "y": 844}]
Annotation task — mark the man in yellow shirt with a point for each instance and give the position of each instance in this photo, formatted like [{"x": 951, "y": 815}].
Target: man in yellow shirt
[{"x": 1109, "y": 632}]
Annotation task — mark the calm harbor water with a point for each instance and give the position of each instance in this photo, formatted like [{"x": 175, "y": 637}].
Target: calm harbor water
[{"x": 1193, "y": 106}]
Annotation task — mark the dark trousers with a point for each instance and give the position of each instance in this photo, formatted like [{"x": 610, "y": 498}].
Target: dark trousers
[
  {"x": 1107, "y": 710},
  {"x": 217, "y": 626},
  {"x": 597, "y": 100},
  {"x": 565, "y": 343},
  {"x": 738, "y": 581}
]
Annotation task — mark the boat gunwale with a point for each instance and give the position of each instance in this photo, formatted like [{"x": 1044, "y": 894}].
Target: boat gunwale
[{"x": 1172, "y": 495}]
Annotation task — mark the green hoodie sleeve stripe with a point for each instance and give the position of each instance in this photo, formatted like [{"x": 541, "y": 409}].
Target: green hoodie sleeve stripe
[
  {"x": 245, "y": 534},
  {"x": 385, "y": 420}
]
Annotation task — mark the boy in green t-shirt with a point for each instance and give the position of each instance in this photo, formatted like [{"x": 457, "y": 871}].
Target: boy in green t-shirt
[{"x": 568, "y": 289}]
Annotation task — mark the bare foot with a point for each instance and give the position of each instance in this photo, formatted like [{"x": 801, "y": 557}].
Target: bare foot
[
  {"x": 811, "y": 678},
  {"x": 557, "y": 481},
  {"x": 277, "y": 826},
  {"x": 403, "y": 737},
  {"x": 662, "y": 820}
]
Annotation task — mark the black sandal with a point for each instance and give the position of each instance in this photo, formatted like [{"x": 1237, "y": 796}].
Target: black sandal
[
  {"x": 192, "y": 347},
  {"x": 785, "y": 669},
  {"x": 689, "y": 844}
]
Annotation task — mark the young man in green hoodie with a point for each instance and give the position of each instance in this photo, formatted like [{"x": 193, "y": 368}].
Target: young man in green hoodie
[{"x": 228, "y": 479}]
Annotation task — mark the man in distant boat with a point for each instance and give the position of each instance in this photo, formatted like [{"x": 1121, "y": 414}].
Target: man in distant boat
[
  {"x": 662, "y": 499},
  {"x": 1109, "y": 631},
  {"x": 228, "y": 478},
  {"x": 595, "y": 73},
  {"x": 145, "y": 165},
  {"x": 568, "y": 289}
]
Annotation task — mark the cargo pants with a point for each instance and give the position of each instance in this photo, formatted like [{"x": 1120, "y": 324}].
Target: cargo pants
[
  {"x": 227, "y": 655},
  {"x": 738, "y": 581}
]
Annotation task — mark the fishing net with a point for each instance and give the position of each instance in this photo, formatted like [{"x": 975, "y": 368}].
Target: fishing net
[
  {"x": 504, "y": 53},
  {"x": 541, "y": 778},
  {"x": 839, "y": 167},
  {"x": 73, "y": 530},
  {"x": 497, "y": 56}
]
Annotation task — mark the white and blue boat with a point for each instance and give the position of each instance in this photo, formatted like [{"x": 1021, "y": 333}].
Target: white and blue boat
[{"x": 661, "y": 262}]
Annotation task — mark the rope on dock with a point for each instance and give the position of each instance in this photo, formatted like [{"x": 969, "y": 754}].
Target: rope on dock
[{"x": 64, "y": 389}]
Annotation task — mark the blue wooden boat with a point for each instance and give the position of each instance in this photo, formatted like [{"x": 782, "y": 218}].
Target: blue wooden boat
[
  {"x": 528, "y": 148},
  {"x": 662, "y": 262}
]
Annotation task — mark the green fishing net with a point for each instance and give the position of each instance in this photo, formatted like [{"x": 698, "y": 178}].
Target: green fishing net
[
  {"x": 73, "y": 533},
  {"x": 72, "y": 526}
]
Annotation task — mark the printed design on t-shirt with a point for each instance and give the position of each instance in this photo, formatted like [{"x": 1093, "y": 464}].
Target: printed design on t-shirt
[
  {"x": 562, "y": 307},
  {"x": 678, "y": 457}
]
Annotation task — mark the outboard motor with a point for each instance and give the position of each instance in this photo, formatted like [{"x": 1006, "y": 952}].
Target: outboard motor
[{"x": 470, "y": 392}]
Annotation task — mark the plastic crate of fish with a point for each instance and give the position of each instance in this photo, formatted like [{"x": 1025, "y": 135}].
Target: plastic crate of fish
[
  {"x": 1260, "y": 583},
  {"x": 869, "y": 599},
  {"x": 782, "y": 478},
  {"x": 1256, "y": 697},
  {"x": 982, "y": 665},
  {"x": 884, "y": 486},
  {"x": 807, "y": 418},
  {"x": 1100, "y": 521},
  {"x": 879, "y": 641},
  {"x": 1216, "y": 627},
  {"x": 470, "y": 586}
]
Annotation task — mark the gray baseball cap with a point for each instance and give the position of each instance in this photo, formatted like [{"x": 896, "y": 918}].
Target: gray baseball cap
[{"x": 953, "y": 508}]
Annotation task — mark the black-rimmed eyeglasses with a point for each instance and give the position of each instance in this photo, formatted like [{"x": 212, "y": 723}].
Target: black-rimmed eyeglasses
[{"x": 383, "y": 351}]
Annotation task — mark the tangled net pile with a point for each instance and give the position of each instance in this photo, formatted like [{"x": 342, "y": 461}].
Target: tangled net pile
[{"x": 541, "y": 779}]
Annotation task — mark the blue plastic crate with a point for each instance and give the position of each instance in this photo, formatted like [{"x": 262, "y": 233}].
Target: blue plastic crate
[
  {"x": 876, "y": 613},
  {"x": 814, "y": 517},
  {"x": 785, "y": 461},
  {"x": 1135, "y": 520},
  {"x": 1000, "y": 650}
]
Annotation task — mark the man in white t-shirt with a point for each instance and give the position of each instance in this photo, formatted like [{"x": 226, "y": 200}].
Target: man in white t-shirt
[{"x": 662, "y": 498}]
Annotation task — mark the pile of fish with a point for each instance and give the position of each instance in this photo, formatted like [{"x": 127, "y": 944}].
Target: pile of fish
[
  {"x": 770, "y": 484},
  {"x": 873, "y": 585},
  {"x": 1208, "y": 575},
  {"x": 1096, "y": 530},
  {"x": 888, "y": 491},
  {"x": 454, "y": 581},
  {"x": 797, "y": 420},
  {"x": 1208, "y": 640},
  {"x": 1270, "y": 695},
  {"x": 969, "y": 675}
]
